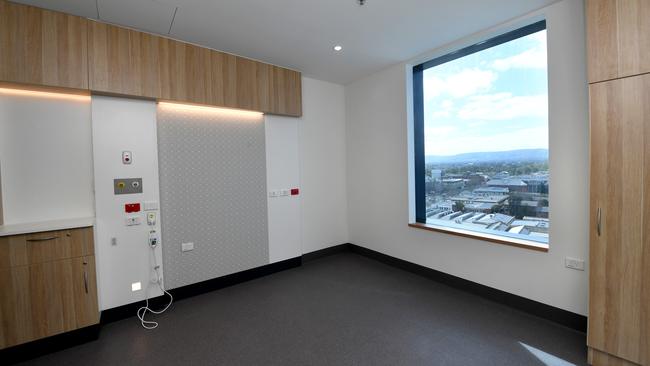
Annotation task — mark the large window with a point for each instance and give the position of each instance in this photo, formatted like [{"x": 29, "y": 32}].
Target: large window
[{"x": 481, "y": 139}]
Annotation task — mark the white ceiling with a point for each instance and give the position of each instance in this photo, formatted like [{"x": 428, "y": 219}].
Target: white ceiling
[{"x": 300, "y": 34}]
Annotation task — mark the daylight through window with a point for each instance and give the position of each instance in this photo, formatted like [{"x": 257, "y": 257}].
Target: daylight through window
[{"x": 481, "y": 138}]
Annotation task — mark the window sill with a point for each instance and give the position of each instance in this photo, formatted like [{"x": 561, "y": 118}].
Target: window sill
[{"x": 524, "y": 244}]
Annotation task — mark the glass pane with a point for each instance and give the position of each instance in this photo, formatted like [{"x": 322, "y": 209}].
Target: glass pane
[{"x": 486, "y": 140}]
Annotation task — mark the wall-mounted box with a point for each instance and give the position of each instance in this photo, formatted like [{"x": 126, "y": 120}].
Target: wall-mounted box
[{"x": 127, "y": 185}]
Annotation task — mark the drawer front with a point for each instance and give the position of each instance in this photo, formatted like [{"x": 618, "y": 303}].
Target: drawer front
[{"x": 21, "y": 250}]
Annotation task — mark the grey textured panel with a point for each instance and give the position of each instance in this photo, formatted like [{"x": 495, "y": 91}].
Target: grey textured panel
[{"x": 212, "y": 191}]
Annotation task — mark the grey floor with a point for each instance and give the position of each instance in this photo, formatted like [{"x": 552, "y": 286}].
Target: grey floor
[{"x": 339, "y": 310}]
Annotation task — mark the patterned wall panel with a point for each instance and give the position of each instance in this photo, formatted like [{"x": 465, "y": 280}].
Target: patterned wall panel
[{"x": 212, "y": 192}]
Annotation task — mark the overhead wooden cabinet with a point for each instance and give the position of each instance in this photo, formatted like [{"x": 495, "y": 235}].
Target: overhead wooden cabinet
[
  {"x": 186, "y": 72},
  {"x": 123, "y": 61},
  {"x": 48, "y": 285},
  {"x": 132, "y": 63},
  {"x": 619, "y": 38},
  {"x": 42, "y": 47},
  {"x": 618, "y": 43}
]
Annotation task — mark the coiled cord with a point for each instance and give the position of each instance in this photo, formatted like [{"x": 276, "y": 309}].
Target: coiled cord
[{"x": 149, "y": 324}]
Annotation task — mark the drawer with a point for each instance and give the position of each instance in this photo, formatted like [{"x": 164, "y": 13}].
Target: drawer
[{"x": 20, "y": 250}]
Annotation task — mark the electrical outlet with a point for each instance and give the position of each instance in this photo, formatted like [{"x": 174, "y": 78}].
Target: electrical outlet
[
  {"x": 574, "y": 263},
  {"x": 186, "y": 247},
  {"x": 133, "y": 220}
]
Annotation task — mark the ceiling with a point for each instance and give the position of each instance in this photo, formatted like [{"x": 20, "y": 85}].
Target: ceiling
[{"x": 300, "y": 34}]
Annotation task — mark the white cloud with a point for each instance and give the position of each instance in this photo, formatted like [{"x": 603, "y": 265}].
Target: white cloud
[
  {"x": 444, "y": 111},
  {"x": 504, "y": 106},
  {"x": 534, "y": 58},
  {"x": 440, "y": 132},
  {"x": 460, "y": 84}
]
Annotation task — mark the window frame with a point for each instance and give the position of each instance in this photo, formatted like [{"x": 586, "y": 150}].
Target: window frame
[{"x": 418, "y": 136}]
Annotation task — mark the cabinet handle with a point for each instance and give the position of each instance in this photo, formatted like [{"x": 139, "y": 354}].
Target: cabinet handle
[
  {"x": 44, "y": 239},
  {"x": 598, "y": 220},
  {"x": 86, "y": 281}
]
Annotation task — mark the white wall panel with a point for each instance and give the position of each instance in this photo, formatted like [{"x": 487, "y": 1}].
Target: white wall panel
[
  {"x": 121, "y": 124},
  {"x": 45, "y": 157}
]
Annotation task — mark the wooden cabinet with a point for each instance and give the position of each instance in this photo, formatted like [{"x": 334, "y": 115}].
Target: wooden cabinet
[
  {"x": 286, "y": 92},
  {"x": 247, "y": 96},
  {"x": 618, "y": 45},
  {"x": 123, "y": 61},
  {"x": 224, "y": 79},
  {"x": 42, "y": 47},
  {"x": 619, "y": 312},
  {"x": 185, "y": 72},
  {"x": 48, "y": 286},
  {"x": 131, "y": 63},
  {"x": 618, "y": 38}
]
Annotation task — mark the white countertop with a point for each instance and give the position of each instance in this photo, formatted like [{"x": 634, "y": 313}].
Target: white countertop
[{"x": 34, "y": 227}]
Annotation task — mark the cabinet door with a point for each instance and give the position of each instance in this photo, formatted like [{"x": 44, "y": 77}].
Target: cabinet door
[
  {"x": 51, "y": 298},
  {"x": 285, "y": 92},
  {"x": 633, "y": 36},
  {"x": 619, "y": 309},
  {"x": 15, "y": 312},
  {"x": 185, "y": 72},
  {"x": 602, "y": 39},
  {"x": 123, "y": 61},
  {"x": 85, "y": 291},
  {"x": 247, "y": 95},
  {"x": 42, "y": 47},
  {"x": 618, "y": 38}
]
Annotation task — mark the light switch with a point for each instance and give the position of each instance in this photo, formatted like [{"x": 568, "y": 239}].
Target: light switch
[{"x": 150, "y": 205}]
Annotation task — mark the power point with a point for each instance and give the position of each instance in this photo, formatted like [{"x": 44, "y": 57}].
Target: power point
[
  {"x": 574, "y": 263},
  {"x": 186, "y": 247}
]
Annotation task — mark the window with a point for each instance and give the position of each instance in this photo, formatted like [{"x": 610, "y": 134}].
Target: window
[{"x": 481, "y": 140}]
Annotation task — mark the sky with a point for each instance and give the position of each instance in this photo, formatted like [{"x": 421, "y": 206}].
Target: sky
[{"x": 492, "y": 100}]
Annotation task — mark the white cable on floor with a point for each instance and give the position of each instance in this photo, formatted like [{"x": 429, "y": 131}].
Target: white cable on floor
[{"x": 148, "y": 324}]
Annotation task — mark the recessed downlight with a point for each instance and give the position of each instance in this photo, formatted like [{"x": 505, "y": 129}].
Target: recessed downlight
[{"x": 338, "y": 48}]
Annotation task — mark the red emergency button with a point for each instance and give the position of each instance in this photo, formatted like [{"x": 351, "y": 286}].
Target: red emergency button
[
  {"x": 132, "y": 207},
  {"x": 295, "y": 191}
]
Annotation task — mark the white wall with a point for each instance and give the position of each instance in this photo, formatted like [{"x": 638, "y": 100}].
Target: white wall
[
  {"x": 45, "y": 157},
  {"x": 308, "y": 153},
  {"x": 378, "y": 184},
  {"x": 323, "y": 161},
  {"x": 120, "y": 124},
  {"x": 283, "y": 172}
]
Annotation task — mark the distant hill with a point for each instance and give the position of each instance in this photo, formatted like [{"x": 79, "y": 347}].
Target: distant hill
[{"x": 490, "y": 157}]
